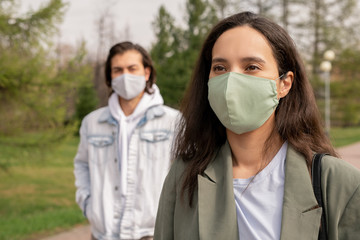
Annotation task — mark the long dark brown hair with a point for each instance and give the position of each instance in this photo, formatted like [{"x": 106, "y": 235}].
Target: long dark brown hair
[
  {"x": 297, "y": 118},
  {"x": 121, "y": 48}
]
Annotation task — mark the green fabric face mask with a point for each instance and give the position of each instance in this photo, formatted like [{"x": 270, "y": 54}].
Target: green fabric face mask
[{"x": 242, "y": 102}]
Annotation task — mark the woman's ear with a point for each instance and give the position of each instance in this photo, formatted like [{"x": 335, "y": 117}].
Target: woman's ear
[{"x": 285, "y": 84}]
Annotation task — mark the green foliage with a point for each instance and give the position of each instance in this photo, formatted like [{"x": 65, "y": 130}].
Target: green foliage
[
  {"x": 176, "y": 49},
  {"x": 262, "y": 7},
  {"x": 86, "y": 102},
  {"x": 37, "y": 189},
  {"x": 346, "y": 87},
  {"x": 222, "y": 5},
  {"x": 168, "y": 37},
  {"x": 38, "y": 89},
  {"x": 323, "y": 27},
  {"x": 31, "y": 29},
  {"x": 77, "y": 94},
  {"x": 347, "y": 61},
  {"x": 46, "y": 96},
  {"x": 168, "y": 45},
  {"x": 26, "y": 70}
]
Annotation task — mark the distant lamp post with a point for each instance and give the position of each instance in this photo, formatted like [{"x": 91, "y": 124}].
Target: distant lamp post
[{"x": 325, "y": 67}]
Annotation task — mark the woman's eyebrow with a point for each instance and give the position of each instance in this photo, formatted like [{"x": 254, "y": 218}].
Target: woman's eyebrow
[
  {"x": 218, "y": 60},
  {"x": 252, "y": 59},
  {"x": 243, "y": 60}
]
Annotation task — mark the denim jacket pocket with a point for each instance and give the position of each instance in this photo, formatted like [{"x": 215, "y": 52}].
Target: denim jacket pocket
[
  {"x": 100, "y": 140},
  {"x": 155, "y": 135},
  {"x": 100, "y": 147}
]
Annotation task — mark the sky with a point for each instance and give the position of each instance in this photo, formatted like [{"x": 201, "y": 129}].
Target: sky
[{"x": 137, "y": 15}]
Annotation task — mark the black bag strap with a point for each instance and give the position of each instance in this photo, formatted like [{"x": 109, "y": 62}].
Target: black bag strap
[{"x": 316, "y": 182}]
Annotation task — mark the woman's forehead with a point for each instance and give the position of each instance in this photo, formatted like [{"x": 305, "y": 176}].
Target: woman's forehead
[{"x": 240, "y": 42}]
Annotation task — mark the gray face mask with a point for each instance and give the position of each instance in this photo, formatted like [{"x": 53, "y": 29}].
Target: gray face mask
[
  {"x": 128, "y": 86},
  {"x": 242, "y": 102}
]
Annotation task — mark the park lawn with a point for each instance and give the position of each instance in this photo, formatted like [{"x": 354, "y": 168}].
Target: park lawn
[
  {"x": 37, "y": 193},
  {"x": 344, "y": 136}
]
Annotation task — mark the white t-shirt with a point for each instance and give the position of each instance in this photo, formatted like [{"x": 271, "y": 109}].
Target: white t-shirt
[{"x": 259, "y": 201}]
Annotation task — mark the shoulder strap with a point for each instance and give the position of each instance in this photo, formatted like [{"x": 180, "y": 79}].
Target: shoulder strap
[{"x": 316, "y": 182}]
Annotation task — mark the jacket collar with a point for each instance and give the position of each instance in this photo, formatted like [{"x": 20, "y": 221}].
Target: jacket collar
[
  {"x": 106, "y": 116},
  {"x": 151, "y": 113},
  {"x": 217, "y": 210},
  {"x": 301, "y": 214}
]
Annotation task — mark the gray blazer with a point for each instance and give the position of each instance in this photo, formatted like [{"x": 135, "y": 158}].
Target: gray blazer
[{"x": 213, "y": 215}]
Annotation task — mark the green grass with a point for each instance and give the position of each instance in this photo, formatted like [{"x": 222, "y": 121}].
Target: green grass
[
  {"x": 344, "y": 136},
  {"x": 37, "y": 193}
]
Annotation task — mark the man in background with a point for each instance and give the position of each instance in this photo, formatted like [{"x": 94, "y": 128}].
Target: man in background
[{"x": 124, "y": 151}]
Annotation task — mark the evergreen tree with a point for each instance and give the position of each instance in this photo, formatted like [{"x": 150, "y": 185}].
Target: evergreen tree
[{"x": 176, "y": 49}]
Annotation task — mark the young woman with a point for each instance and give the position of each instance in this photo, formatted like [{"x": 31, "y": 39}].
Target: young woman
[{"x": 244, "y": 151}]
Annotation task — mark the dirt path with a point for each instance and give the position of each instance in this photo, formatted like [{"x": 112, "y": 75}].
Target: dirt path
[
  {"x": 351, "y": 154},
  {"x": 77, "y": 233}
]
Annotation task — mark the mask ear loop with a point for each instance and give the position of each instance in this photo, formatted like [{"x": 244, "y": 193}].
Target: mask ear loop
[{"x": 284, "y": 75}]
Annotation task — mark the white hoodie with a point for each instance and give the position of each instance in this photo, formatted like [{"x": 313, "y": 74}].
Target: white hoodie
[{"x": 127, "y": 125}]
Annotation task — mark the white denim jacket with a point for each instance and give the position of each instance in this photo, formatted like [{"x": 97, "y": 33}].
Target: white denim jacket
[{"x": 97, "y": 175}]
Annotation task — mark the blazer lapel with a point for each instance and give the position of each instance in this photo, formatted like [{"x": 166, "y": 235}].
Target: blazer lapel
[
  {"x": 217, "y": 211},
  {"x": 301, "y": 214}
]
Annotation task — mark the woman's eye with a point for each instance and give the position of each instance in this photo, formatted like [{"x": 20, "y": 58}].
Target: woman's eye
[
  {"x": 252, "y": 68},
  {"x": 219, "y": 68}
]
